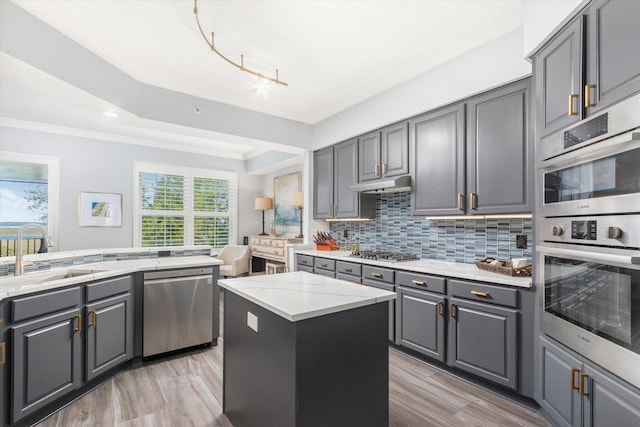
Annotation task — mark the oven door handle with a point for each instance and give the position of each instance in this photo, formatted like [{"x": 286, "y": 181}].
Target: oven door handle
[{"x": 633, "y": 258}]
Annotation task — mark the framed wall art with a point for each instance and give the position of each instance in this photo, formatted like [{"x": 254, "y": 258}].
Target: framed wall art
[
  {"x": 99, "y": 209},
  {"x": 283, "y": 188}
]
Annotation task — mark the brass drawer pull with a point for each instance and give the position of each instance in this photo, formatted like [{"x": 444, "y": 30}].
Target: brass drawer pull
[
  {"x": 78, "y": 327},
  {"x": 378, "y": 275},
  {"x": 3, "y": 353},
  {"x": 324, "y": 265},
  {"x": 480, "y": 294},
  {"x": 304, "y": 261},
  {"x": 384, "y": 169},
  {"x": 376, "y": 169},
  {"x": 452, "y": 310},
  {"x": 93, "y": 318},
  {"x": 574, "y": 371},
  {"x": 440, "y": 307},
  {"x": 419, "y": 282},
  {"x": 473, "y": 200},
  {"x": 348, "y": 269},
  {"x": 587, "y": 96},
  {"x": 460, "y": 200},
  {"x": 572, "y": 97},
  {"x": 581, "y": 385}
]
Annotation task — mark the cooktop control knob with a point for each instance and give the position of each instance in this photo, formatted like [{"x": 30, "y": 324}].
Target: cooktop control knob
[
  {"x": 556, "y": 230},
  {"x": 614, "y": 232}
]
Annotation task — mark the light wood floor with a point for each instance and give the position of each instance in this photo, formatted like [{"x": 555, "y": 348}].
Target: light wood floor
[{"x": 186, "y": 390}]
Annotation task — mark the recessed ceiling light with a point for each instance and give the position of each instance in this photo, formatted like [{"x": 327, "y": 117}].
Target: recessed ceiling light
[{"x": 110, "y": 114}]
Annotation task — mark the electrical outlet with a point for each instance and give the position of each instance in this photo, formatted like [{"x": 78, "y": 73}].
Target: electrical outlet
[{"x": 521, "y": 241}]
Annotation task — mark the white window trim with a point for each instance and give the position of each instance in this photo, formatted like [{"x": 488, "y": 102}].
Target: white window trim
[
  {"x": 188, "y": 173},
  {"x": 53, "y": 188}
]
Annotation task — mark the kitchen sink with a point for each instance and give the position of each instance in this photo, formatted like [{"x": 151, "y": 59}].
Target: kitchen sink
[{"x": 37, "y": 278}]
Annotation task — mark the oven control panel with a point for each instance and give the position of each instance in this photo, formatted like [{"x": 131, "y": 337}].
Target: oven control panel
[{"x": 611, "y": 231}]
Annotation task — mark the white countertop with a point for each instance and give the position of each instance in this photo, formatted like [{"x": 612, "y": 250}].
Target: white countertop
[
  {"x": 441, "y": 268},
  {"x": 11, "y": 286},
  {"x": 299, "y": 295}
]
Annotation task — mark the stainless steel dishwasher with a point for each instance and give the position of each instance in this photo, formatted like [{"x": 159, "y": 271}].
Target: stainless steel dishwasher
[{"x": 178, "y": 309}]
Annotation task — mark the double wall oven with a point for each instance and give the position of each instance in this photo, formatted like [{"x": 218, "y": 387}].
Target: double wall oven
[{"x": 588, "y": 238}]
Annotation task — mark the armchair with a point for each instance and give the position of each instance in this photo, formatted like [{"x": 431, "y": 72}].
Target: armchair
[{"x": 236, "y": 260}]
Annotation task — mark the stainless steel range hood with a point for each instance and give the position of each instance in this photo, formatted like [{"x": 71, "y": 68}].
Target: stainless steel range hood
[{"x": 390, "y": 185}]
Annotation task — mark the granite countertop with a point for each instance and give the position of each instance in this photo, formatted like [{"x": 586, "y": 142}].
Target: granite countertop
[
  {"x": 441, "y": 268},
  {"x": 11, "y": 286},
  {"x": 299, "y": 295}
]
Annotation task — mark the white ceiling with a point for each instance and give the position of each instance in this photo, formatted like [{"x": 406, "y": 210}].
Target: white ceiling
[{"x": 333, "y": 54}]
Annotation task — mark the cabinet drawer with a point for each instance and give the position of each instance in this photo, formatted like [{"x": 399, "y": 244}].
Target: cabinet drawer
[
  {"x": 351, "y": 268},
  {"x": 51, "y": 302},
  {"x": 306, "y": 268},
  {"x": 325, "y": 264},
  {"x": 265, "y": 242},
  {"x": 349, "y": 278},
  {"x": 107, "y": 288},
  {"x": 378, "y": 273},
  {"x": 255, "y": 241},
  {"x": 424, "y": 282},
  {"x": 326, "y": 273},
  {"x": 306, "y": 260},
  {"x": 484, "y": 293},
  {"x": 277, "y": 243}
]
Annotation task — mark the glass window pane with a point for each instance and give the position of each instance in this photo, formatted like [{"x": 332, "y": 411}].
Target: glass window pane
[
  {"x": 211, "y": 231},
  {"x": 162, "y": 230},
  {"x": 210, "y": 195},
  {"x": 161, "y": 191}
]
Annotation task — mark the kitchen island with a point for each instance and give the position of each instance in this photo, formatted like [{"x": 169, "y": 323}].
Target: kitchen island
[{"x": 305, "y": 350}]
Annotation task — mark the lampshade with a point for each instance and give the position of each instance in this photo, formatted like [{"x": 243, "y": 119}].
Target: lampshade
[
  {"x": 264, "y": 203},
  {"x": 297, "y": 199}
]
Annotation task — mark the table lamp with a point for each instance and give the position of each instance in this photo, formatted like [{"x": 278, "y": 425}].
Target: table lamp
[
  {"x": 263, "y": 204},
  {"x": 297, "y": 200}
]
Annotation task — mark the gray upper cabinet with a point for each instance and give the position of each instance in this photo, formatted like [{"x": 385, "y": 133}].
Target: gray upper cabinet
[
  {"x": 323, "y": 183},
  {"x": 335, "y": 171},
  {"x": 559, "y": 89},
  {"x": 384, "y": 153},
  {"x": 437, "y": 152},
  {"x": 591, "y": 64},
  {"x": 498, "y": 151},
  {"x": 345, "y": 161},
  {"x": 613, "y": 56}
]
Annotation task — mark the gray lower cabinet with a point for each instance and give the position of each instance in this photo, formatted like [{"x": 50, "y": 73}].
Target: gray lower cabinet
[
  {"x": 109, "y": 334},
  {"x": 574, "y": 393},
  {"x": 392, "y": 310},
  {"x": 420, "y": 322},
  {"x": 483, "y": 340},
  {"x": 46, "y": 360},
  {"x": 304, "y": 263}
]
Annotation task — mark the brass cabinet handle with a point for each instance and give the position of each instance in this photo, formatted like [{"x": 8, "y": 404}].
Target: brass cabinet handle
[
  {"x": 419, "y": 282},
  {"x": 587, "y": 96},
  {"x": 376, "y": 169},
  {"x": 93, "y": 318},
  {"x": 304, "y": 261},
  {"x": 572, "y": 97},
  {"x": 473, "y": 200},
  {"x": 452, "y": 310},
  {"x": 440, "y": 307},
  {"x": 384, "y": 169},
  {"x": 3, "y": 353},
  {"x": 323, "y": 265},
  {"x": 460, "y": 200},
  {"x": 581, "y": 386},
  {"x": 78, "y": 327},
  {"x": 574, "y": 371},
  {"x": 480, "y": 294},
  {"x": 376, "y": 275},
  {"x": 348, "y": 269}
]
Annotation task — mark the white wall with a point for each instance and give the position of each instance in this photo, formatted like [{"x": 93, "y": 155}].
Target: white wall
[
  {"x": 541, "y": 17},
  {"x": 490, "y": 65},
  {"x": 106, "y": 166}
]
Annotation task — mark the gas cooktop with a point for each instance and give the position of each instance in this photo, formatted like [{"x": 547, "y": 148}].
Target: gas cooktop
[{"x": 385, "y": 256}]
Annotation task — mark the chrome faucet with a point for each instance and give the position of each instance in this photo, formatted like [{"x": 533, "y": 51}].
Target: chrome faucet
[{"x": 19, "y": 268}]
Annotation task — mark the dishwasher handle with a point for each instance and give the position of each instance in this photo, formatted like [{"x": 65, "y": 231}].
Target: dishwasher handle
[{"x": 177, "y": 279}]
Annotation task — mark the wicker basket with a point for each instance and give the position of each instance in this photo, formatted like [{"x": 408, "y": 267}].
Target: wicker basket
[{"x": 504, "y": 268}]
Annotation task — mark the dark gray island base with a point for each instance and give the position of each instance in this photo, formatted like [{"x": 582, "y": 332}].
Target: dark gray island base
[{"x": 329, "y": 370}]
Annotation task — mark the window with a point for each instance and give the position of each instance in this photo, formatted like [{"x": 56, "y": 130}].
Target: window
[
  {"x": 178, "y": 206},
  {"x": 28, "y": 193}
]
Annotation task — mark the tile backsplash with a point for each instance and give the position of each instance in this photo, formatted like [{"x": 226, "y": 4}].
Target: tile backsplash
[{"x": 459, "y": 240}]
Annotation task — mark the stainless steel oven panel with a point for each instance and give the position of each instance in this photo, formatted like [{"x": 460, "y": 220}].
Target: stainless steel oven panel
[
  {"x": 625, "y": 203},
  {"x": 620, "y": 118},
  {"x": 616, "y": 359},
  {"x": 611, "y": 230}
]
